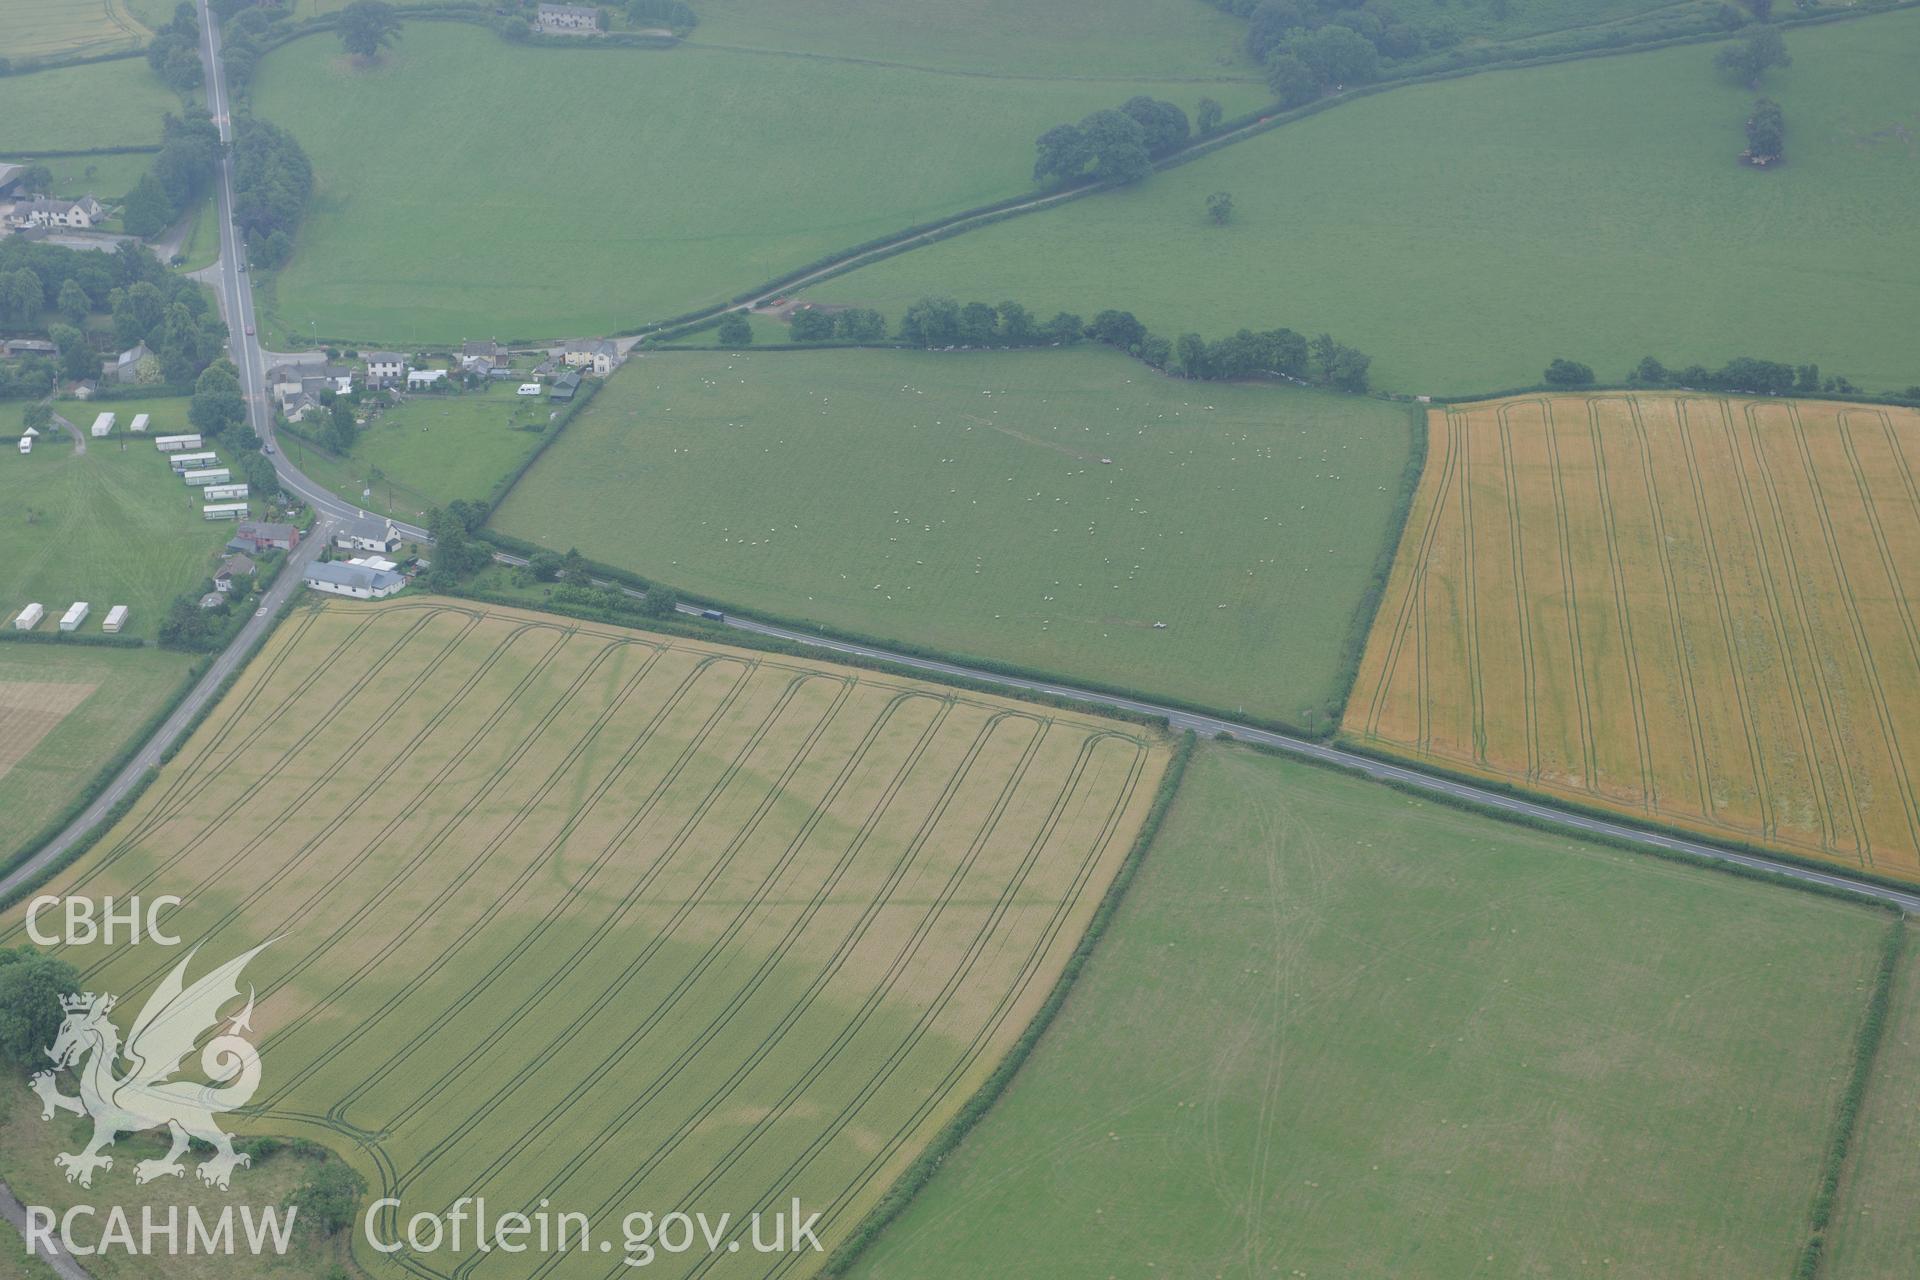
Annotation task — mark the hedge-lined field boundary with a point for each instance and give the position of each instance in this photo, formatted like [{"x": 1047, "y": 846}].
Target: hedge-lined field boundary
[
  {"x": 928, "y": 1162},
  {"x": 1846, "y": 1121}
]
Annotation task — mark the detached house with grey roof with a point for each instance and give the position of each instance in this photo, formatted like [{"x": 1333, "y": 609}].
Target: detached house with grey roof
[{"x": 385, "y": 368}]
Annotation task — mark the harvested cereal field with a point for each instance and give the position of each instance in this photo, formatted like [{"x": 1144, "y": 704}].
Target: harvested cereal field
[
  {"x": 571, "y": 913},
  {"x": 1694, "y": 609}
]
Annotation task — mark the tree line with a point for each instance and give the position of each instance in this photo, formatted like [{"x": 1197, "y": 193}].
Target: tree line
[
  {"x": 272, "y": 183},
  {"x": 174, "y": 51},
  {"x": 1115, "y": 145},
  {"x": 935, "y": 322},
  {"x": 185, "y": 167},
  {"x": 1743, "y": 374}
]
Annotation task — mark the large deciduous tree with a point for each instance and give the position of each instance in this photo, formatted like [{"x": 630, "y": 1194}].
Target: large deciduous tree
[{"x": 367, "y": 27}]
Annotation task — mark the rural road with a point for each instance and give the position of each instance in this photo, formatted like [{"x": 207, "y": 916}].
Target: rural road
[
  {"x": 1209, "y": 726},
  {"x": 229, "y": 280},
  {"x": 229, "y": 661},
  {"x": 60, "y": 1260}
]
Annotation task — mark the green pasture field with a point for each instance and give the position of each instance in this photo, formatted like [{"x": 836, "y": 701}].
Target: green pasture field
[
  {"x": 1157, "y": 39},
  {"x": 700, "y": 173},
  {"x": 51, "y": 28},
  {"x": 430, "y": 450},
  {"x": 960, "y": 502},
  {"x": 572, "y": 912},
  {"x": 109, "y": 527},
  {"x": 1335, "y": 1030},
  {"x": 1467, "y": 232},
  {"x": 123, "y": 688},
  {"x": 107, "y": 177},
  {"x": 98, "y": 104},
  {"x": 1874, "y": 1233}
]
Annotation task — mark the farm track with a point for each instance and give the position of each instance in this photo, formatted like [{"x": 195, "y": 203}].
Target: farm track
[{"x": 1623, "y": 615}]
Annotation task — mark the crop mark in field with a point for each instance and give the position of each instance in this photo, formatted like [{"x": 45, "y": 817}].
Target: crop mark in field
[
  {"x": 523, "y": 813},
  {"x": 29, "y": 711},
  {"x": 348, "y": 808},
  {"x": 369, "y": 733},
  {"x": 1576, "y": 645},
  {"x": 876, "y": 994},
  {"x": 660, "y": 937},
  {"x": 645, "y": 809},
  {"x": 1623, "y": 617},
  {"x": 1882, "y": 707},
  {"x": 1777, "y": 618},
  {"x": 1531, "y": 693},
  {"x": 621, "y": 909}
]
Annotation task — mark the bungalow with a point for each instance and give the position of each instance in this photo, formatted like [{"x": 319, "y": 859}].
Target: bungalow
[
  {"x": 569, "y": 19},
  {"x": 367, "y": 534},
  {"x": 384, "y": 368},
  {"x": 125, "y": 367},
  {"x": 594, "y": 355},
  {"x": 256, "y": 536},
  {"x": 44, "y": 212},
  {"x": 360, "y": 581},
  {"x": 234, "y": 566},
  {"x": 564, "y": 386}
]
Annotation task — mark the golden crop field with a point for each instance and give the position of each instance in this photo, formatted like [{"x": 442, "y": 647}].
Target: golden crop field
[
  {"x": 42, "y": 28},
  {"x": 576, "y": 916},
  {"x": 1691, "y": 608}
]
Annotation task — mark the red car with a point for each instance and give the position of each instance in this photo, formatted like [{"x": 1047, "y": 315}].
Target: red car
[{"x": 249, "y": 331}]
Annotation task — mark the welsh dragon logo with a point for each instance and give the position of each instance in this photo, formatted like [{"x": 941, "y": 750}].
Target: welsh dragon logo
[{"x": 145, "y": 1095}]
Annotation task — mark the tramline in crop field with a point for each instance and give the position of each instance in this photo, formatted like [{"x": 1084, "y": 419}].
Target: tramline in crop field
[
  {"x": 1696, "y": 609},
  {"x": 614, "y": 921}
]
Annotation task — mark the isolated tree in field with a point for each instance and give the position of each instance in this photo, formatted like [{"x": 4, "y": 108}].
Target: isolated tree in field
[
  {"x": 1292, "y": 80},
  {"x": 31, "y": 985},
  {"x": 1206, "y": 118},
  {"x": 734, "y": 330},
  {"x": 1568, "y": 373},
  {"x": 1766, "y": 132},
  {"x": 1220, "y": 208},
  {"x": 367, "y": 27},
  {"x": 1749, "y": 58}
]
